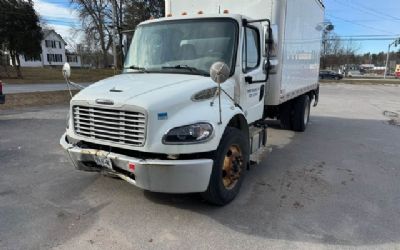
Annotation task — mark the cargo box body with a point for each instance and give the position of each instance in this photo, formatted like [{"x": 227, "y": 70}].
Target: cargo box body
[{"x": 297, "y": 26}]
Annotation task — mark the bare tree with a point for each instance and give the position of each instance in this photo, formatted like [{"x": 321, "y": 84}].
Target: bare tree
[
  {"x": 96, "y": 20},
  {"x": 337, "y": 52}
]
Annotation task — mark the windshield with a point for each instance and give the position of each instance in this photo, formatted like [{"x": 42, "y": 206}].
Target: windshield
[{"x": 185, "y": 46}]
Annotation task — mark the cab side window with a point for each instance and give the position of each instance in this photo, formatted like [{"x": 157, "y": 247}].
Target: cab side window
[{"x": 251, "y": 49}]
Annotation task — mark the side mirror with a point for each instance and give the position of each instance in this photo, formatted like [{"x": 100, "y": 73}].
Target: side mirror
[
  {"x": 66, "y": 71},
  {"x": 219, "y": 72},
  {"x": 329, "y": 27},
  {"x": 267, "y": 66},
  {"x": 267, "y": 40}
]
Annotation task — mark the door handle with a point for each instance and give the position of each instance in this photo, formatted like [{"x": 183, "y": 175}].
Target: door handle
[{"x": 248, "y": 79}]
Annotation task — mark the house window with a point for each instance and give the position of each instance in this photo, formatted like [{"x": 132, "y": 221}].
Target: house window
[
  {"x": 32, "y": 58},
  {"x": 54, "y": 58},
  {"x": 72, "y": 58},
  {"x": 51, "y": 44}
]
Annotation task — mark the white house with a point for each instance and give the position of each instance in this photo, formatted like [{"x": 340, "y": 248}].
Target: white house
[{"x": 53, "y": 53}]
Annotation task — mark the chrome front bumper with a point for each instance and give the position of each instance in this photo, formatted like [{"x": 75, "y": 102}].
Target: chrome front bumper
[{"x": 164, "y": 176}]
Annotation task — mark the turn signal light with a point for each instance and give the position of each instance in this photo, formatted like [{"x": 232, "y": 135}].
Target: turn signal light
[
  {"x": 200, "y": 12},
  {"x": 226, "y": 11},
  {"x": 169, "y": 15},
  {"x": 184, "y": 13}
]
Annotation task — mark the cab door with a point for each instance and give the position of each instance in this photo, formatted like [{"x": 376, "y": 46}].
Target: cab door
[{"x": 252, "y": 75}]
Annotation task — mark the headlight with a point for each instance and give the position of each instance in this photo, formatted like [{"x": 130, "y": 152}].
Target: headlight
[{"x": 191, "y": 134}]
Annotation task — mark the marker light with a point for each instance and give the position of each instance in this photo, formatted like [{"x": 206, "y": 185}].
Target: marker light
[
  {"x": 200, "y": 12},
  {"x": 131, "y": 167},
  {"x": 169, "y": 15},
  {"x": 184, "y": 13},
  {"x": 226, "y": 11}
]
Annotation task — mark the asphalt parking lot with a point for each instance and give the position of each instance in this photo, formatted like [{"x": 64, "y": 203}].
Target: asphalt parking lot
[{"x": 334, "y": 186}]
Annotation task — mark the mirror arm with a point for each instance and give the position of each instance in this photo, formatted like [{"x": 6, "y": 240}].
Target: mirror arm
[
  {"x": 68, "y": 85},
  {"x": 78, "y": 86}
]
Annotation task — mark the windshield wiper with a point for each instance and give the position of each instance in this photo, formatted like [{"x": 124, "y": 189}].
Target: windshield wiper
[
  {"x": 141, "y": 69},
  {"x": 186, "y": 67}
]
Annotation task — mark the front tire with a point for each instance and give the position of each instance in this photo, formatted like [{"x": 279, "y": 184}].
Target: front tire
[{"x": 229, "y": 168}]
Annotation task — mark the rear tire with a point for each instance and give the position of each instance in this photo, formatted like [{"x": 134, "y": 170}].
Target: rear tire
[
  {"x": 229, "y": 168},
  {"x": 301, "y": 116},
  {"x": 286, "y": 115}
]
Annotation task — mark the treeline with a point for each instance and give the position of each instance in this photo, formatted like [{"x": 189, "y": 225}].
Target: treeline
[{"x": 338, "y": 52}]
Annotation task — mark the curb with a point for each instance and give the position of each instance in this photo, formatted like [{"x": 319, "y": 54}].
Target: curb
[{"x": 20, "y": 100}]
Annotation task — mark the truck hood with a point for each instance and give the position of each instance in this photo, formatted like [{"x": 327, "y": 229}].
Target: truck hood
[{"x": 126, "y": 88}]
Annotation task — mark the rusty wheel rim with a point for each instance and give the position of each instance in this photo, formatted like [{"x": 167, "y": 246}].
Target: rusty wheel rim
[{"x": 232, "y": 167}]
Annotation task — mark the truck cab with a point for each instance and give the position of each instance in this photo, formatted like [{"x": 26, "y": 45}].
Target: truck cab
[{"x": 187, "y": 113}]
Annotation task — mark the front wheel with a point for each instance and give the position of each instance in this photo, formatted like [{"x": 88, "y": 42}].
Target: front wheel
[{"x": 229, "y": 168}]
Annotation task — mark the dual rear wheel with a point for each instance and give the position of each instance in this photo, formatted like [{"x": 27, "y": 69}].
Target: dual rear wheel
[{"x": 295, "y": 115}]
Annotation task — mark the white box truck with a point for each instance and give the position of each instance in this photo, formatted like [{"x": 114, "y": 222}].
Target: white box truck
[{"x": 187, "y": 115}]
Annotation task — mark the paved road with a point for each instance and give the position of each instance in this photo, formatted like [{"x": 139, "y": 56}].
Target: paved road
[
  {"x": 36, "y": 87},
  {"x": 335, "y": 186}
]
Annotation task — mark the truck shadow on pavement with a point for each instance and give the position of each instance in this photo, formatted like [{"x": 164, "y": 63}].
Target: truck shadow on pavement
[{"x": 337, "y": 184}]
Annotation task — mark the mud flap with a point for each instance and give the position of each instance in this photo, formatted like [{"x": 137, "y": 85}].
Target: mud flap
[{"x": 316, "y": 94}]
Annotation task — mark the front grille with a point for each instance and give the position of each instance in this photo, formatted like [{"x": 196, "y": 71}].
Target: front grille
[{"x": 118, "y": 126}]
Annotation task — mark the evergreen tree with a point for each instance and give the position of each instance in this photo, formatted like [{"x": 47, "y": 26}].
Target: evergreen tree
[{"x": 20, "y": 32}]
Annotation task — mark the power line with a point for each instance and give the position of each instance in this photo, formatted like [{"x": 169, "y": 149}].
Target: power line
[
  {"x": 368, "y": 36},
  {"x": 368, "y": 11},
  {"x": 362, "y": 25},
  {"x": 362, "y": 39},
  {"x": 377, "y": 11}
]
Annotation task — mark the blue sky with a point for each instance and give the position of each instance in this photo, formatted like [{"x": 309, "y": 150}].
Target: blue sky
[
  {"x": 365, "y": 17},
  {"x": 352, "y": 19}
]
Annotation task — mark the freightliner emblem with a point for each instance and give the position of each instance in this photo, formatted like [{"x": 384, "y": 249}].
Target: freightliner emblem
[{"x": 105, "y": 102}]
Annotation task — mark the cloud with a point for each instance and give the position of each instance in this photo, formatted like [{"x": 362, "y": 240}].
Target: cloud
[
  {"x": 55, "y": 11},
  {"x": 63, "y": 20}
]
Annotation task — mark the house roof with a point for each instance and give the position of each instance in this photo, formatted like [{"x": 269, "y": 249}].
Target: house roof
[{"x": 47, "y": 32}]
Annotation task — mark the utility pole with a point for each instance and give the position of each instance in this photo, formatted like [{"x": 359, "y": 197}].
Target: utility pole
[
  {"x": 114, "y": 32},
  {"x": 395, "y": 43},
  {"x": 326, "y": 28}
]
